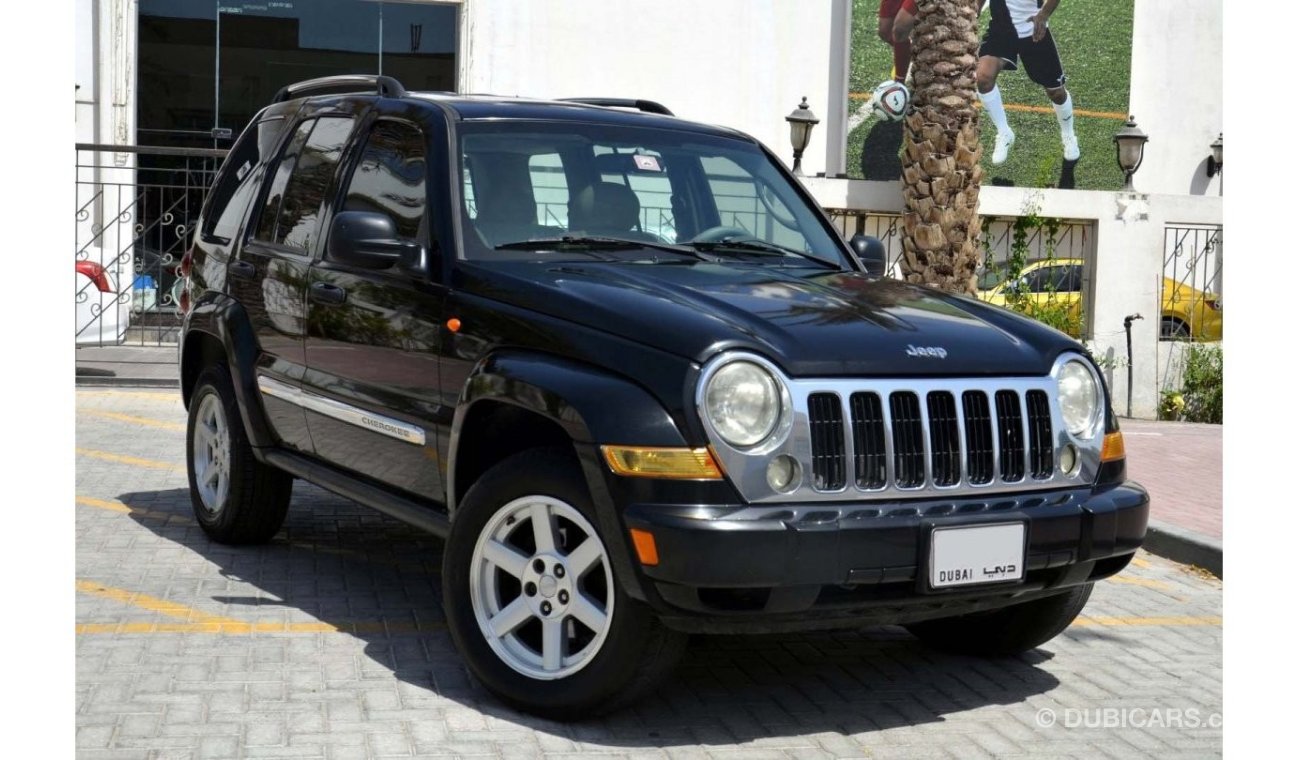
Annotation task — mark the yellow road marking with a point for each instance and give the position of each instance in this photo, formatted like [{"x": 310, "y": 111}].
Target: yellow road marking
[
  {"x": 108, "y": 456},
  {"x": 354, "y": 627},
  {"x": 161, "y": 606},
  {"x": 1088, "y": 621},
  {"x": 1145, "y": 582},
  {"x": 119, "y": 417},
  {"x": 153, "y": 395},
  {"x": 1139, "y": 562},
  {"x": 117, "y": 506},
  {"x": 1027, "y": 109}
]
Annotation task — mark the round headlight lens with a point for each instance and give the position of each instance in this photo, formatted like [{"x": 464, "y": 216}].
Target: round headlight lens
[
  {"x": 743, "y": 403},
  {"x": 1079, "y": 396}
]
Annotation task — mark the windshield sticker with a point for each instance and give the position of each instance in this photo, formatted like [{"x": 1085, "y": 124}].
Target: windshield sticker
[{"x": 647, "y": 163}]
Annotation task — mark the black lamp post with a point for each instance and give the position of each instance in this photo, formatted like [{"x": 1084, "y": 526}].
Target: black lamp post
[
  {"x": 802, "y": 122},
  {"x": 1130, "y": 146},
  {"x": 1215, "y": 163}
]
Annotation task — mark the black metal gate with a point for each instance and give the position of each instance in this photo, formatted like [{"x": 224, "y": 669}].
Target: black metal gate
[{"x": 136, "y": 208}]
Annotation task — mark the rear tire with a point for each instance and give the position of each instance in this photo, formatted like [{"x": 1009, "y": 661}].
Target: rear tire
[
  {"x": 236, "y": 499},
  {"x": 1007, "y": 631},
  {"x": 547, "y": 629}
]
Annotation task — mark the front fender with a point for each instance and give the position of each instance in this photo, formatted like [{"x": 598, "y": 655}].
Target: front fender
[
  {"x": 223, "y": 318},
  {"x": 591, "y": 405}
]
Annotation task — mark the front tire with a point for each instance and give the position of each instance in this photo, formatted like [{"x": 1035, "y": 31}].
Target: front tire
[
  {"x": 1007, "y": 631},
  {"x": 531, "y": 599},
  {"x": 236, "y": 499}
]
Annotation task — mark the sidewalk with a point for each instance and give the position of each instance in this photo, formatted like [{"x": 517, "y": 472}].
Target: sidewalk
[
  {"x": 127, "y": 365},
  {"x": 1180, "y": 463}
]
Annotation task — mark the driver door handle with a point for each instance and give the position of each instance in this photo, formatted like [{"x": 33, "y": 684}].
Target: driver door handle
[{"x": 323, "y": 292}]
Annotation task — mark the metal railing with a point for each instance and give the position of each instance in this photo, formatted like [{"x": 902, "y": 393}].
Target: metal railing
[
  {"x": 1191, "y": 295},
  {"x": 136, "y": 208},
  {"x": 1066, "y": 246}
]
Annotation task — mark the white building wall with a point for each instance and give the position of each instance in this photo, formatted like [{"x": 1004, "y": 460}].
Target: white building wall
[
  {"x": 1176, "y": 92},
  {"x": 744, "y": 64}
]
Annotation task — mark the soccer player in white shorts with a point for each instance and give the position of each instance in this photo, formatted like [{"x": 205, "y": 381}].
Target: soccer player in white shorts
[{"x": 1017, "y": 31}]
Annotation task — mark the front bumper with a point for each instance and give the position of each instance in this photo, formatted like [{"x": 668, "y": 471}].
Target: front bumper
[{"x": 802, "y": 567}]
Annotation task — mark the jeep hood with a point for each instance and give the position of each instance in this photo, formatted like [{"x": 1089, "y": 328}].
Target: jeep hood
[{"x": 811, "y": 322}]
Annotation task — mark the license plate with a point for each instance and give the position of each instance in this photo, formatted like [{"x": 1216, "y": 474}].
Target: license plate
[{"x": 977, "y": 554}]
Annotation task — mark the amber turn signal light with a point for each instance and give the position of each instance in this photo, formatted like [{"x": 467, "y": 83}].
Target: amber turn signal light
[
  {"x": 1112, "y": 448},
  {"x": 644, "y": 542},
  {"x": 660, "y": 462}
]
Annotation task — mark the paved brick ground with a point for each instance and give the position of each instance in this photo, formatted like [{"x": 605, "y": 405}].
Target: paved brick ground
[
  {"x": 1181, "y": 464},
  {"x": 187, "y": 649}
]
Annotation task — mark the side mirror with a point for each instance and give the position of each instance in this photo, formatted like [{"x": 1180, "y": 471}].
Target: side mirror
[
  {"x": 871, "y": 252},
  {"x": 368, "y": 239}
]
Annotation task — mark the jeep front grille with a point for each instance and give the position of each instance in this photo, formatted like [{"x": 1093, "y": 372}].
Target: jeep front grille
[
  {"x": 884, "y": 439},
  {"x": 919, "y": 440}
]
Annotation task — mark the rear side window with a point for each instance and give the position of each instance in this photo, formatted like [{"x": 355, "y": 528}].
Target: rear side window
[
  {"x": 389, "y": 177},
  {"x": 238, "y": 183},
  {"x": 302, "y": 179}
]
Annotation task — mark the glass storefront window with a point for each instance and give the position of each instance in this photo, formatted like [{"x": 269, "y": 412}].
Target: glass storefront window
[{"x": 212, "y": 64}]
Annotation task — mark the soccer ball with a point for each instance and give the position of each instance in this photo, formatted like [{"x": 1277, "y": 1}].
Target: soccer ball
[{"x": 890, "y": 100}]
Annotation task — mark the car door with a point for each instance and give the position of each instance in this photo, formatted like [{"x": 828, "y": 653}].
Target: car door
[
  {"x": 270, "y": 277},
  {"x": 374, "y": 335}
]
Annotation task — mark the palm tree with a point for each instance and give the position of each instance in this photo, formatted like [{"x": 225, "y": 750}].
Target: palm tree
[{"x": 941, "y": 149}]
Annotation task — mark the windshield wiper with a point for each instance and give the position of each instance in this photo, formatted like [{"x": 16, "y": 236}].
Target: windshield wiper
[
  {"x": 761, "y": 247},
  {"x": 595, "y": 242}
]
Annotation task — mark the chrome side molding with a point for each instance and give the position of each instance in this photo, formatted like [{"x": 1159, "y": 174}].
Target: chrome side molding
[{"x": 376, "y": 423}]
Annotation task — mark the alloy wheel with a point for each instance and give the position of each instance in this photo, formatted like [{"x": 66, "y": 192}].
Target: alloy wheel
[
  {"x": 212, "y": 453},
  {"x": 541, "y": 587}
]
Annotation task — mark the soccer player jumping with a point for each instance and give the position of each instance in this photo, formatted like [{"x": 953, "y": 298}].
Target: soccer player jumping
[
  {"x": 1018, "y": 30},
  {"x": 894, "y": 25}
]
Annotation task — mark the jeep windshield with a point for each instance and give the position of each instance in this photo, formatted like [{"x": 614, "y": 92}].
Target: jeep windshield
[{"x": 580, "y": 190}]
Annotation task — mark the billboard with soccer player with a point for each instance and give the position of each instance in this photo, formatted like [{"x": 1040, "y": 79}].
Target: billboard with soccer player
[{"x": 1053, "y": 80}]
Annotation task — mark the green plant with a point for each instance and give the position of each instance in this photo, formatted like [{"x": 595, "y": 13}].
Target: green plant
[
  {"x": 1203, "y": 384},
  {"x": 1050, "y": 310}
]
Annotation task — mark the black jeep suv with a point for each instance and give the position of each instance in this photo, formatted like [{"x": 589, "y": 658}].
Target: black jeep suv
[{"x": 629, "y": 370}]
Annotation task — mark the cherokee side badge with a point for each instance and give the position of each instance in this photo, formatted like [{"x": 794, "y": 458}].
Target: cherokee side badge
[{"x": 927, "y": 352}]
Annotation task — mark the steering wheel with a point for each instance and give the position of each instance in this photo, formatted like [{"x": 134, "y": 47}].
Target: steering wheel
[{"x": 719, "y": 234}]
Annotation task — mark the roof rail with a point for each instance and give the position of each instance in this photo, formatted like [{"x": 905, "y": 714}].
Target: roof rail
[
  {"x": 386, "y": 87},
  {"x": 649, "y": 106}
]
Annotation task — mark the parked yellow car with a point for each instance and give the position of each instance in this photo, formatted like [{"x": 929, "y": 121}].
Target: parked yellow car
[{"x": 1185, "y": 312}]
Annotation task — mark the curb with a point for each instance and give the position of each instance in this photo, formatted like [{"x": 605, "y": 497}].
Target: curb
[
  {"x": 1182, "y": 545},
  {"x": 113, "y": 380}
]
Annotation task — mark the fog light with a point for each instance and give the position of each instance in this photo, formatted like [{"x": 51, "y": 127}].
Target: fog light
[
  {"x": 783, "y": 473},
  {"x": 1069, "y": 458}
]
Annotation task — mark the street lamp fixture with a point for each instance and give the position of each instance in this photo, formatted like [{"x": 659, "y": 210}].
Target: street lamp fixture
[
  {"x": 1130, "y": 146},
  {"x": 1214, "y": 164},
  {"x": 802, "y": 122}
]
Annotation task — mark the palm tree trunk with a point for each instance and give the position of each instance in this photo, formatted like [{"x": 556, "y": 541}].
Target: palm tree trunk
[{"x": 941, "y": 149}]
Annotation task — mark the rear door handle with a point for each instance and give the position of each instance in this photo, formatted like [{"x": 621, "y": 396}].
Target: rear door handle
[
  {"x": 242, "y": 269},
  {"x": 323, "y": 292}
]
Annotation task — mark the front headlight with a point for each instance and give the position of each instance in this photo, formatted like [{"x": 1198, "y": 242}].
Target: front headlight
[
  {"x": 1079, "y": 397},
  {"x": 743, "y": 403}
]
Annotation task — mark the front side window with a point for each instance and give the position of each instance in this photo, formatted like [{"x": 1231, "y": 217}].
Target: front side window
[
  {"x": 528, "y": 181},
  {"x": 389, "y": 178}
]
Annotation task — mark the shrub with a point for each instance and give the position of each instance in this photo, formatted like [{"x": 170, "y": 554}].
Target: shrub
[{"x": 1203, "y": 383}]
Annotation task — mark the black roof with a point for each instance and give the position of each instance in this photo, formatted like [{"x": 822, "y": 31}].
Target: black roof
[{"x": 469, "y": 107}]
